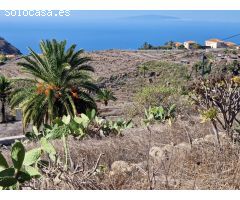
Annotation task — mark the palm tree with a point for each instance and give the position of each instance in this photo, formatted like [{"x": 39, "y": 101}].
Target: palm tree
[
  {"x": 143, "y": 69},
  {"x": 59, "y": 83},
  {"x": 105, "y": 96},
  {"x": 5, "y": 89}
]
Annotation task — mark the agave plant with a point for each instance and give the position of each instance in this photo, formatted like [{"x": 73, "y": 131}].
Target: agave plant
[
  {"x": 105, "y": 96},
  {"x": 59, "y": 83}
]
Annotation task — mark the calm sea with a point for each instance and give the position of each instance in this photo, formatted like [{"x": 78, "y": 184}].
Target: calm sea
[{"x": 98, "y": 30}]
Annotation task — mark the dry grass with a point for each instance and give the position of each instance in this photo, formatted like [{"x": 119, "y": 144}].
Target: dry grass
[{"x": 204, "y": 167}]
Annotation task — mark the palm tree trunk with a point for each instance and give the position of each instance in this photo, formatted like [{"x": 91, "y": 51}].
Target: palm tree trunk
[
  {"x": 105, "y": 102},
  {"x": 3, "y": 111}
]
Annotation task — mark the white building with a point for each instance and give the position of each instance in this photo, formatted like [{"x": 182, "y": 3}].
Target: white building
[
  {"x": 189, "y": 44},
  {"x": 215, "y": 43}
]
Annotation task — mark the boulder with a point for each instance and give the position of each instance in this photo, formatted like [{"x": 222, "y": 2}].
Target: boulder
[
  {"x": 198, "y": 141},
  {"x": 142, "y": 166},
  {"x": 169, "y": 151},
  {"x": 157, "y": 153},
  {"x": 121, "y": 167},
  {"x": 152, "y": 74},
  {"x": 210, "y": 139},
  {"x": 224, "y": 138},
  {"x": 182, "y": 150},
  {"x": 184, "y": 147}
]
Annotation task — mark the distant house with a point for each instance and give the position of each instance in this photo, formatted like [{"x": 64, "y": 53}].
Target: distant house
[
  {"x": 215, "y": 43},
  {"x": 10, "y": 56},
  {"x": 230, "y": 44},
  {"x": 189, "y": 44},
  {"x": 178, "y": 44}
]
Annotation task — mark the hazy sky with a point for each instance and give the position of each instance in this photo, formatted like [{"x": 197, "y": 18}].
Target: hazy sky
[
  {"x": 97, "y": 30},
  {"x": 95, "y": 16}
]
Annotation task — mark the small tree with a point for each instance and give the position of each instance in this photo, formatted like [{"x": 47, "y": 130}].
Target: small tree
[
  {"x": 5, "y": 89},
  {"x": 219, "y": 100},
  {"x": 170, "y": 43},
  {"x": 3, "y": 58},
  {"x": 203, "y": 67},
  {"x": 105, "y": 96},
  {"x": 146, "y": 46}
]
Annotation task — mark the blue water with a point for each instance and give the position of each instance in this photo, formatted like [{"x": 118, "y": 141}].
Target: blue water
[{"x": 98, "y": 30}]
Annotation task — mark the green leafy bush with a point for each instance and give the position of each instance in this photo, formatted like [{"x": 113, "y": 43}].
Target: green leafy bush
[{"x": 154, "y": 95}]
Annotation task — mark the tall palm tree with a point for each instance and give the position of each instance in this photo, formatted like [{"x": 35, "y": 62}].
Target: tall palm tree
[
  {"x": 5, "y": 89},
  {"x": 59, "y": 83},
  {"x": 105, "y": 96}
]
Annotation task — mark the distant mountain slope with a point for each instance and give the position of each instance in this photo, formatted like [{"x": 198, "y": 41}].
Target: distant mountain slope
[
  {"x": 152, "y": 17},
  {"x": 7, "y": 48}
]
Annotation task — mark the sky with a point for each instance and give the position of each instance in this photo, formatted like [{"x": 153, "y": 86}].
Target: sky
[
  {"x": 98, "y": 30},
  {"x": 96, "y": 16}
]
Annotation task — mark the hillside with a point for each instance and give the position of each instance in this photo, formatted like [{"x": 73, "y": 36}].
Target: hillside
[
  {"x": 7, "y": 48},
  {"x": 180, "y": 153}
]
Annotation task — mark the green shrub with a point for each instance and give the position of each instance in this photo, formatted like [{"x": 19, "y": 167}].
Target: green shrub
[
  {"x": 3, "y": 58},
  {"x": 154, "y": 95}
]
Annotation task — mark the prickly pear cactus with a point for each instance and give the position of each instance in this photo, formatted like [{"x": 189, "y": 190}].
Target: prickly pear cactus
[{"x": 11, "y": 177}]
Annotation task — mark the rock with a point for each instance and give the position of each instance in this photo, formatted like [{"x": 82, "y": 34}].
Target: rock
[
  {"x": 157, "y": 153},
  {"x": 210, "y": 139},
  {"x": 198, "y": 141},
  {"x": 169, "y": 151},
  {"x": 168, "y": 148},
  {"x": 182, "y": 150},
  {"x": 160, "y": 154},
  {"x": 224, "y": 138},
  {"x": 152, "y": 74},
  {"x": 184, "y": 146},
  {"x": 150, "y": 80},
  {"x": 121, "y": 167},
  {"x": 141, "y": 166}
]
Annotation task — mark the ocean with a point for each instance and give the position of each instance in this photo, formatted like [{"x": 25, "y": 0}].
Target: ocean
[{"x": 100, "y": 30}]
